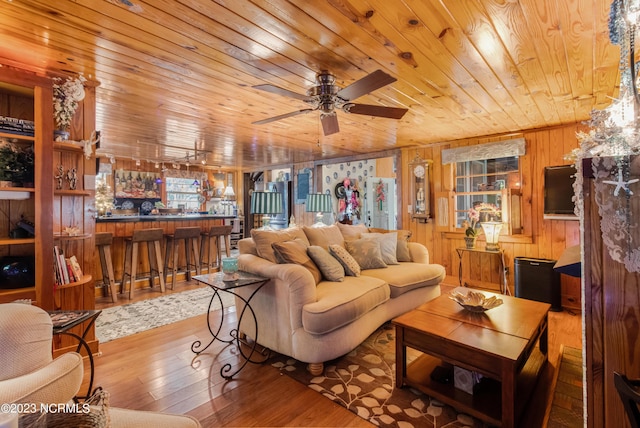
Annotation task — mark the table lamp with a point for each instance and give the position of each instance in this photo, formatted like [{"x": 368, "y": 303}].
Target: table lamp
[
  {"x": 319, "y": 203},
  {"x": 492, "y": 234},
  {"x": 229, "y": 195},
  {"x": 267, "y": 204}
]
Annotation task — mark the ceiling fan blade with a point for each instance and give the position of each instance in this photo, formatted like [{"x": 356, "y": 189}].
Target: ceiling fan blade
[
  {"x": 367, "y": 84},
  {"x": 372, "y": 110},
  {"x": 281, "y": 91},
  {"x": 329, "y": 123},
  {"x": 282, "y": 116}
]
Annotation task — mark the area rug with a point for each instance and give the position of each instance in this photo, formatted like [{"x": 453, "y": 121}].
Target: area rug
[
  {"x": 125, "y": 320},
  {"x": 364, "y": 382}
]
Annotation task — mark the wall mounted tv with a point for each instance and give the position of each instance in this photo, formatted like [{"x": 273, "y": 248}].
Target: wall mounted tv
[{"x": 558, "y": 192}]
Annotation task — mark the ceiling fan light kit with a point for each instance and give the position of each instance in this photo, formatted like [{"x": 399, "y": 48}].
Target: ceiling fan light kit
[{"x": 326, "y": 97}]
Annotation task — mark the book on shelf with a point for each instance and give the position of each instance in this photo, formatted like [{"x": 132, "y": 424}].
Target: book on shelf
[
  {"x": 66, "y": 269},
  {"x": 75, "y": 267},
  {"x": 67, "y": 266}
]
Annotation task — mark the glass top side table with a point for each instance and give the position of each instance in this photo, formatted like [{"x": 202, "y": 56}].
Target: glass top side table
[{"x": 215, "y": 281}]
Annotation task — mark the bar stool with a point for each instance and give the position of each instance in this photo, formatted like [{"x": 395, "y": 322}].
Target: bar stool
[
  {"x": 213, "y": 237},
  {"x": 103, "y": 244},
  {"x": 153, "y": 238},
  {"x": 190, "y": 236}
]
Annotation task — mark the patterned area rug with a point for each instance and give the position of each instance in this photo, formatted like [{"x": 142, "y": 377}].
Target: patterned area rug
[
  {"x": 363, "y": 381},
  {"x": 125, "y": 320}
]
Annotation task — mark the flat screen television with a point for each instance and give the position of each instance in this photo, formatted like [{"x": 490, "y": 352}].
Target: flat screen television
[{"x": 558, "y": 192}]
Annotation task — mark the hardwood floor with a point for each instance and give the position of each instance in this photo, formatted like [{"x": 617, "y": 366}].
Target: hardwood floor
[{"x": 156, "y": 370}]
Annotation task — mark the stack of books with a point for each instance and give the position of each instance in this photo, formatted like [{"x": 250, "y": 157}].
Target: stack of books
[
  {"x": 66, "y": 270},
  {"x": 12, "y": 125}
]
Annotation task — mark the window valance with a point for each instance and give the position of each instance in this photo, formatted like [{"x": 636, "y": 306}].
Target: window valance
[{"x": 499, "y": 149}]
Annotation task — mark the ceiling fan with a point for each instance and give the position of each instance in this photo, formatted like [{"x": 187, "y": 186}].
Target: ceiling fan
[{"x": 327, "y": 97}]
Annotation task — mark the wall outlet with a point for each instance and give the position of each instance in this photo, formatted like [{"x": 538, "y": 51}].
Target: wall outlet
[{"x": 410, "y": 209}]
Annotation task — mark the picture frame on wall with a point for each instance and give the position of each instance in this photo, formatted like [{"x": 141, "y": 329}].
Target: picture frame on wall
[{"x": 303, "y": 185}]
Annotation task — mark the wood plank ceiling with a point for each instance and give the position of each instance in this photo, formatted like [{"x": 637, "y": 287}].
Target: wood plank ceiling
[{"x": 176, "y": 75}]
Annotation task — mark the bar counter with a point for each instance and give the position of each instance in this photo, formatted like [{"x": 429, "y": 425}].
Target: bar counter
[{"x": 122, "y": 226}]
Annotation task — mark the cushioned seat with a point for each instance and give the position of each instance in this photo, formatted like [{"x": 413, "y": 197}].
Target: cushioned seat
[
  {"x": 29, "y": 374},
  {"x": 408, "y": 276},
  {"x": 338, "y": 305}
]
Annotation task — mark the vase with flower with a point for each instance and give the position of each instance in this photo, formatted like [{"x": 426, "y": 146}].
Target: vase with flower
[
  {"x": 471, "y": 228},
  {"x": 66, "y": 96}
]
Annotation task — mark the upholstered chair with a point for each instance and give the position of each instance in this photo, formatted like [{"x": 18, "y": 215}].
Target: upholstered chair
[{"x": 29, "y": 374}]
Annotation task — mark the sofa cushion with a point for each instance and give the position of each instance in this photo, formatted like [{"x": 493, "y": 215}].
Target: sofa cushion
[
  {"x": 295, "y": 251},
  {"x": 350, "y": 265},
  {"x": 352, "y": 231},
  {"x": 388, "y": 245},
  {"x": 366, "y": 252},
  {"x": 408, "y": 276},
  {"x": 339, "y": 304},
  {"x": 324, "y": 236},
  {"x": 330, "y": 268},
  {"x": 402, "y": 248},
  {"x": 264, "y": 239}
]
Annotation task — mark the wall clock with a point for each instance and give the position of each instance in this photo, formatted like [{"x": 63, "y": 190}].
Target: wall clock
[{"x": 420, "y": 192}]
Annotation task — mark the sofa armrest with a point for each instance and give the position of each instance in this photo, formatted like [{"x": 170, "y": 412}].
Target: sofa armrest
[
  {"x": 292, "y": 286},
  {"x": 56, "y": 382},
  {"x": 419, "y": 253}
]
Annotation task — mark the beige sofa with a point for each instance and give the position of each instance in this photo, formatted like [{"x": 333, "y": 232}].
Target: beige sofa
[{"x": 316, "y": 320}]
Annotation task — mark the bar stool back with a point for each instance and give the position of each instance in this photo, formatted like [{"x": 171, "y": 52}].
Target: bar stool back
[
  {"x": 153, "y": 238},
  {"x": 213, "y": 237},
  {"x": 103, "y": 244},
  {"x": 190, "y": 236}
]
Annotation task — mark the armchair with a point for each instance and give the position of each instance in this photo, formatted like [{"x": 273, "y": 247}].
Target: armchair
[{"x": 29, "y": 374}]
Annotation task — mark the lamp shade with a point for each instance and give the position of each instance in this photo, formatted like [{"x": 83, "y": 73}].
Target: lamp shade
[
  {"x": 228, "y": 192},
  {"x": 319, "y": 202},
  {"x": 266, "y": 203},
  {"x": 491, "y": 231}
]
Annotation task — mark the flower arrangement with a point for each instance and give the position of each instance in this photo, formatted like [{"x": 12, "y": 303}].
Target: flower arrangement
[
  {"x": 66, "y": 95},
  {"x": 470, "y": 226},
  {"x": 380, "y": 197}
]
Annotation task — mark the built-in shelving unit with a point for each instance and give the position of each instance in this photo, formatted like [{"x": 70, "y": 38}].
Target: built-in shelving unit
[{"x": 28, "y": 97}]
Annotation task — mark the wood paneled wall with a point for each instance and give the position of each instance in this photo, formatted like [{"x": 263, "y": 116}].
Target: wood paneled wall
[{"x": 542, "y": 238}]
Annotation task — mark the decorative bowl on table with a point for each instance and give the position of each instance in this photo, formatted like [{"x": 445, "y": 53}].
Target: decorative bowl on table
[{"x": 474, "y": 301}]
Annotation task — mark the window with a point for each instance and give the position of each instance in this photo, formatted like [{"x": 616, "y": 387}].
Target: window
[
  {"x": 485, "y": 181},
  {"x": 486, "y": 173}
]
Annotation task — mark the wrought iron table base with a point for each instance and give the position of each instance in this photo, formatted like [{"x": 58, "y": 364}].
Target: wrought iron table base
[{"x": 234, "y": 336}]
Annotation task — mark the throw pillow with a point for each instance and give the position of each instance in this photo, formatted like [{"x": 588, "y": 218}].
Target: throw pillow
[
  {"x": 388, "y": 245},
  {"x": 402, "y": 249},
  {"x": 330, "y": 268},
  {"x": 366, "y": 252},
  {"x": 350, "y": 232},
  {"x": 295, "y": 252},
  {"x": 264, "y": 239},
  {"x": 324, "y": 236},
  {"x": 350, "y": 265}
]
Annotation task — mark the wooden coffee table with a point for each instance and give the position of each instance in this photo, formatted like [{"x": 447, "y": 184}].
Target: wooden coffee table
[{"x": 507, "y": 344}]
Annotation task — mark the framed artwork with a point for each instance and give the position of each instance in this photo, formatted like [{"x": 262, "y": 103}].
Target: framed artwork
[{"x": 304, "y": 185}]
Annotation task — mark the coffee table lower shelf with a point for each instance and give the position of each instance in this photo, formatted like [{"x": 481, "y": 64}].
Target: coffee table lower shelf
[{"x": 486, "y": 404}]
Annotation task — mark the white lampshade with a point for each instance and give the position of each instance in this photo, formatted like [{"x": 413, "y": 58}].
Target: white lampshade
[
  {"x": 492, "y": 234},
  {"x": 228, "y": 192}
]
